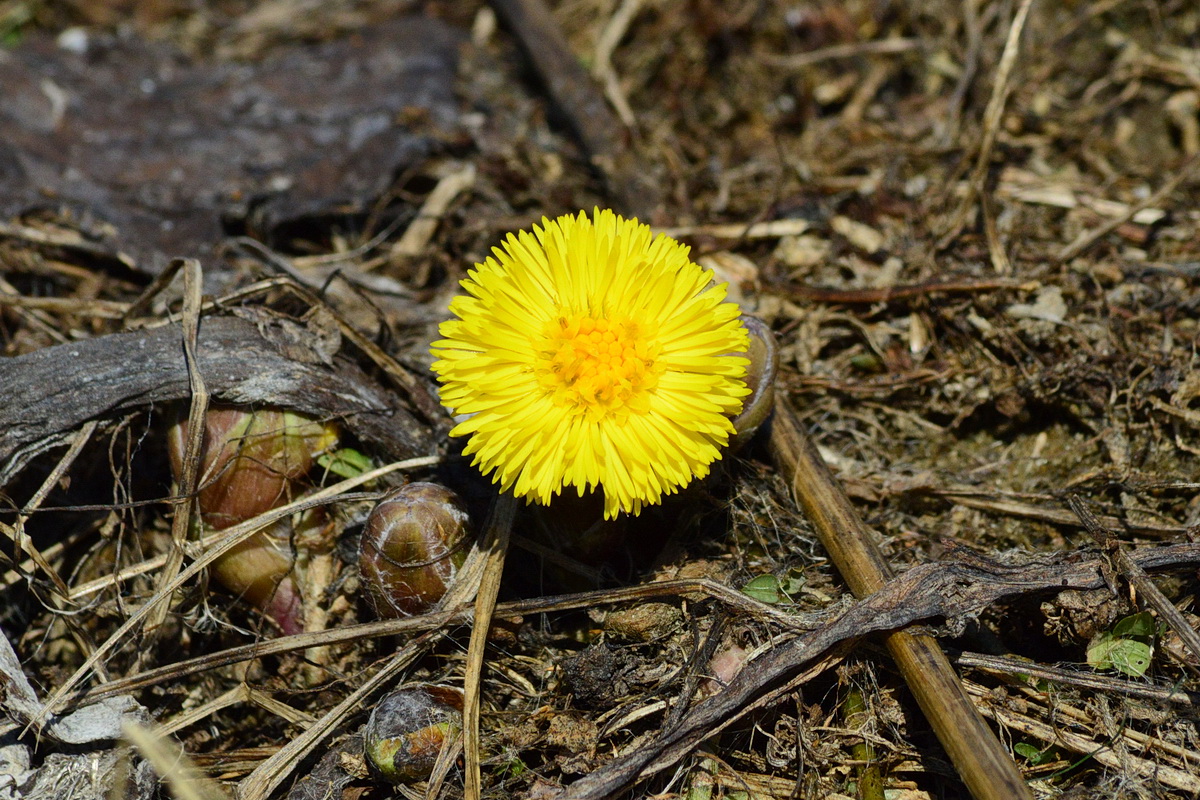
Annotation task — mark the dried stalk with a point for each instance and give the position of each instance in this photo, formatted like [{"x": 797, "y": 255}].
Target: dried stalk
[
  {"x": 231, "y": 538},
  {"x": 991, "y": 121},
  {"x": 187, "y": 507},
  {"x": 984, "y": 765},
  {"x": 496, "y": 543}
]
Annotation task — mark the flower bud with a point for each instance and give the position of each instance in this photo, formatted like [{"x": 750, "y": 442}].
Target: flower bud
[
  {"x": 413, "y": 544},
  {"x": 259, "y": 571},
  {"x": 409, "y": 728},
  {"x": 249, "y": 459},
  {"x": 250, "y": 463},
  {"x": 760, "y": 377}
]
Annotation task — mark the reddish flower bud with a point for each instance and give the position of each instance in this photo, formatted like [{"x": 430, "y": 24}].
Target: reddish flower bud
[{"x": 250, "y": 463}]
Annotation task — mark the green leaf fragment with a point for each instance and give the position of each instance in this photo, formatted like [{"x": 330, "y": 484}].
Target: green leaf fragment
[
  {"x": 1129, "y": 656},
  {"x": 345, "y": 463},
  {"x": 1036, "y": 756},
  {"x": 1140, "y": 624},
  {"x": 764, "y": 589}
]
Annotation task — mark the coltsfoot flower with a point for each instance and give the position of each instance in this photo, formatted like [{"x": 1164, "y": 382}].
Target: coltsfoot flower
[{"x": 592, "y": 354}]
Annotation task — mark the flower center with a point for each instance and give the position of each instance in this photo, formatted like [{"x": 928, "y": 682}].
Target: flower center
[{"x": 598, "y": 366}]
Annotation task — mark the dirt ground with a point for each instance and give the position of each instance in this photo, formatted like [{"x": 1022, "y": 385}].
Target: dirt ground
[{"x": 973, "y": 227}]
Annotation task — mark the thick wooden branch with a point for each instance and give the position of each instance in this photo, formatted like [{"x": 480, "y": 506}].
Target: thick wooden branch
[{"x": 52, "y": 391}]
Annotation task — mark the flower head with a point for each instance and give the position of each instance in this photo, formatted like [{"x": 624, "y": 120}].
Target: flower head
[{"x": 591, "y": 354}]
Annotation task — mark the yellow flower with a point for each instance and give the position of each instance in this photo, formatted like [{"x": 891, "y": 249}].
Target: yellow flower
[{"x": 590, "y": 354}]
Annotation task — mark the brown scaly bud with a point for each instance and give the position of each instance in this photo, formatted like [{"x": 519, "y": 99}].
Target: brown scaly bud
[
  {"x": 250, "y": 459},
  {"x": 250, "y": 463},
  {"x": 409, "y": 729},
  {"x": 413, "y": 544},
  {"x": 760, "y": 377}
]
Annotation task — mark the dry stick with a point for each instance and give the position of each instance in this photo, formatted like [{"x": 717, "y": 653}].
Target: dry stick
[
  {"x": 851, "y": 50},
  {"x": 238, "y": 694},
  {"x": 268, "y": 775},
  {"x": 991, "y": 120},
  {"x": 739, "y": 230},
  {"x": 1000, "y": 262},
  {"x": 1101, "y": 752},
  {"x": 439, "y": 619},
  {"x": 71, "y": 241},
  {"x": 936, "y": 590},
  {"x": 402, "y": 377},
  {"x": 970, "y": 66},
  {"x": 823, "y": 294},
  {"x": 19, "y": 569},
  {"x": 984, "y": 501},
  {"x": 1006, "y": 665},
  {"x": 1135, "y": 574},
  {"x": 1088, "y": 238},
  {"x": 103, "y": 309},
  {"x": 156, "y": 287},
  {"x": 1069, "y": 716},
  {"x": 412, "y": 243},
  {"x": 36, "y": 318},
  {"x": 485, "y": 605},
  {"x": 181, "y": 522},
  {"x": 203, "y": 543},
  {"x": 985, "y": 767},
  {"x": 602, "y": 67}
]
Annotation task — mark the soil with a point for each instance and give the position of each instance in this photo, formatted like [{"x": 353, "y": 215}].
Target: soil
[{"x": 975, "y": 235}]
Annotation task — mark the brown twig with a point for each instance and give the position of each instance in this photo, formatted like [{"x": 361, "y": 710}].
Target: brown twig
[
  {"x": 572, "y": 90},
  {"x": 187, "y": 508},
  {"x": 230, "y": 539},
  {"x": 1102, "y": 752},
  {"x": 440, "y": 619},
  {"x": 1000, "y": 261},
  {"x": 985, "y": 767},
  {"x": 477, "y": 576},
  {"x": 1007, "y": 665},
  {"x": 998, "y": 504},
  {"x": 602, "y": 66},
  {"x": 57, "y": 389},
  {"x": 270, "y": 774},
  {"x": 974, "y": 31},
  {"x": 848, "y": 50},
  {"x": 496, "y": 544},
  {"x": 948, "y": 588}
]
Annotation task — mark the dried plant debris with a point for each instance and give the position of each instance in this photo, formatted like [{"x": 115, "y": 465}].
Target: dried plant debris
[{"x": 974, "y": 237}]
